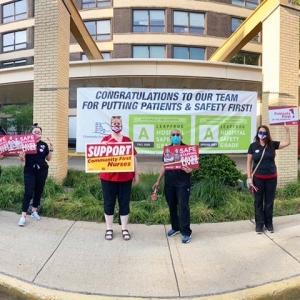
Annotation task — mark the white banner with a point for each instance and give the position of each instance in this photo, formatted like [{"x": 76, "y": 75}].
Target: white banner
[{"x": 219, "y": 121}]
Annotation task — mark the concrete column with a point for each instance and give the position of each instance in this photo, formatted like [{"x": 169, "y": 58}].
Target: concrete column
[
  {"x": 280, "y": 67},
  {"x": 51, "y": 79}
]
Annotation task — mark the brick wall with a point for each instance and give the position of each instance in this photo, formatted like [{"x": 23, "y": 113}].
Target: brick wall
[
  {"x": 122, "y": 20},
  {"x": 51, "y": 70},
  {"x": 219, "y": 28},
  {"x": 280, "y": 76}
]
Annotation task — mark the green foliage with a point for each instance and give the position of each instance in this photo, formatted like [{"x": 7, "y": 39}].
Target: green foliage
[
  {"x": 19, "y": 116},
  {"x": 80, "y": 198},
  {"x": 217, "y": 166}
]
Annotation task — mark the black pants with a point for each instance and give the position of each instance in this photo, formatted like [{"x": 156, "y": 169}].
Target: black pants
[
  {"x": 178, "y": 202},
  {"x": 34, "y": 181},
  {"x": 113, "y": 190},
  {"x": 264, "y": 201}
]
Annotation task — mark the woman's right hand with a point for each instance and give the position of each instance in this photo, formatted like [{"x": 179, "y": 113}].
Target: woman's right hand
[
  {"x": 155, "y": 186},
  {"x": 250, "y": 181},
  {"x": 22, "y": 156}
]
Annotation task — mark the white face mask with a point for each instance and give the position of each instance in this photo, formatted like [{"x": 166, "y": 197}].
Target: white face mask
[{"x": 261, "y": 136}]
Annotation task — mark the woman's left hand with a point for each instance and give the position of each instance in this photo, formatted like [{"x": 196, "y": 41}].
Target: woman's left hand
[
  {"x": 187, "y": 169},
  {"x": 136, "y": 179}
]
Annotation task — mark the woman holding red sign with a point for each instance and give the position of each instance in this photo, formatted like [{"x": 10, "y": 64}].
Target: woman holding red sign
[
  {"x": 35, "y": 175},
  {"x": 117, "y": 184},
  {"x": 177, "y": 192}
]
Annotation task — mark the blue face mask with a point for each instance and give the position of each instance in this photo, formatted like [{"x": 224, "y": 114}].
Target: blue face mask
[{"x": 175, "y": 140}]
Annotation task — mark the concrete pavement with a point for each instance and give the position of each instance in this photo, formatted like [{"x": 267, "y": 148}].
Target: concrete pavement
[{"x": 62, "y": 259}]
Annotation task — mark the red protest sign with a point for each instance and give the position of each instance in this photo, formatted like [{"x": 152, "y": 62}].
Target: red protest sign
[
  {"x": 14, "y": 144},
  {"x": 176, "y": 157}
]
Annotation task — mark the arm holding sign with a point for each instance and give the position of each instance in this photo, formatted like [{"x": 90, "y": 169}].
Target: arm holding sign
[{"x": 287, "y": 140}]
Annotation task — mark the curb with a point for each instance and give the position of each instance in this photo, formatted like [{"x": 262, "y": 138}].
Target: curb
[{"x": 285, "y": 289}]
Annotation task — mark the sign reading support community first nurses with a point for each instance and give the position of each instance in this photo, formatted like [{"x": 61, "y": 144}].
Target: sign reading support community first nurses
[
  {"x": 219, "y": 121},
  {"x": 109, "y": 158}
]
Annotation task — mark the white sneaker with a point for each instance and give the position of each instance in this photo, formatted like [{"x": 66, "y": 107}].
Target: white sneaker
[
  {"x": 22, "y": 221},
  {"x": 35, "y": 215}
]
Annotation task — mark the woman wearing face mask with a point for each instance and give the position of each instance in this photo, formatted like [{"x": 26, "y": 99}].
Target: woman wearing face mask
[
  {"x": 35, "y": 174},
  {"x": 117, "y": 185},
  {"x": 177, "y": 186},
  {"x": 265, "y": 177}
]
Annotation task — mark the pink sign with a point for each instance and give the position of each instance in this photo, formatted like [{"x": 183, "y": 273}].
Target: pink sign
[
  {"x": 14, "y": 144},
  {"x": 176, "y": 157}
]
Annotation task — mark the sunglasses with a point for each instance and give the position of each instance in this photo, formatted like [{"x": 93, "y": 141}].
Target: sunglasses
[
  {"x": 177, "y": 134},
  {"x": 116, "y": 117},
  {"x": 262, "y": 132}
]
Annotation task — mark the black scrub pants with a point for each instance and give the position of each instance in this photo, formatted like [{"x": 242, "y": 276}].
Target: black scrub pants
[
  {"x": 34, "y": 181},
  {"x": 264, "y": 201},
  {"x": 178, "y": 202}
]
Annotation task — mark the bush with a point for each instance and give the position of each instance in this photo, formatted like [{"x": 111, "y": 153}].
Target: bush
[{"x": 217, "y": 166}]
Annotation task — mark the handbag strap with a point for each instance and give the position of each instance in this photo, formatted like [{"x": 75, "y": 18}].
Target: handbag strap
[{"x": 259, "y": 161}]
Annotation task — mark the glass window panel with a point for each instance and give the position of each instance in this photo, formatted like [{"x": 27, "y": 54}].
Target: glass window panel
[
  {"x": 91, "y": 27},
  {"x": 197, "y": 53},
  {"x": 20, "y": 7},
  {"x": 181, "y": 29},
  {"x": 140, "y": 28},
  {"x": 8, "y": 48},
  {"x": 20, "y": 62},
  {"x": 140, "y": 17},
  {"x": 103, "y": 3},
  {"x": 8, "y": 10},
  {"x": 8, "y": 64},
  {"x": 196, "y": 30},
  {"x": 238, "y": 2},
  {"x": 181, "y": 52},
  {"x": 8, "y": 39},
  {"x": 84, "y": 57},
  {"x": 157, "y": 17},
  {"x": 181, "y": 18},
  {"x": 156, "y": 29},
  {"x": 20, "y": 46},
  {"x": 157, "y": 52},
  {"x": 140, "y": 52},
  {"x": 196, "y": 20},
  {"x": 235, "y": 23},
  {"x": 103, "y": 27},
  {"x": 21, "y": 16},
  {"x": 251, "y": 59},
  {"x": 251, "y": 5},
  {"x": 20, "y": 37},
  {"x": 106, "y": 55}
]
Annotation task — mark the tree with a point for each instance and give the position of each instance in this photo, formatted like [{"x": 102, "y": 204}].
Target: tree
[{"x": 18, "y": 116}]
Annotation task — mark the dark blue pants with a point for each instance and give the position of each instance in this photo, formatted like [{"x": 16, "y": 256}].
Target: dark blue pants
[
  {"x": 113, "y": 190},
  {"x": 264, "y": 201},
  {"x": 34, "y": 181},
  {"x": 178, "y": 202}
]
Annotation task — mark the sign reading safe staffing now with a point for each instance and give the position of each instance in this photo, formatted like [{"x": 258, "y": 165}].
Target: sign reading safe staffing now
[
  {"x": 109, "y": 157},
  {"x": 176, "y": 157},
  {"x": 14, "y": 144}
]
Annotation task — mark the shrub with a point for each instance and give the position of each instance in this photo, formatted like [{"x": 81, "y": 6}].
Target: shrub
[{"x": 216, "y": 166}]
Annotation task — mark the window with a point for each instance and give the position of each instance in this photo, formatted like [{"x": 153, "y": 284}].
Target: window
[
  {"x": 106, "y": 55},
  {"x": 99, "y": 30},
  {"x": 235, "y": 24},
  {"x": 246, "y": 58},
  {"x": 14, "y": 41},
  {"x": 95, "y": 3},
  {"x": 189, "y": 53},
  {"x": 247, "y": 3},
  {"x": 148, "y": 20},
  {"x": 188, "y": 22},
  {"x": 14, "y": 63},
  {"x": 14, "y": 11},
  {"x": 148, "y": 51}
]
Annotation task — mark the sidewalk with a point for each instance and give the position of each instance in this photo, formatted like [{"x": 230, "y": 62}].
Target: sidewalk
[{"x": 62, "y": 259}]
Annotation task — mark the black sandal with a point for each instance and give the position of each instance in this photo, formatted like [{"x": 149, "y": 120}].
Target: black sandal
[
  {"x": 109, "y": 234},
  {"x": 126, "y": 235}
]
